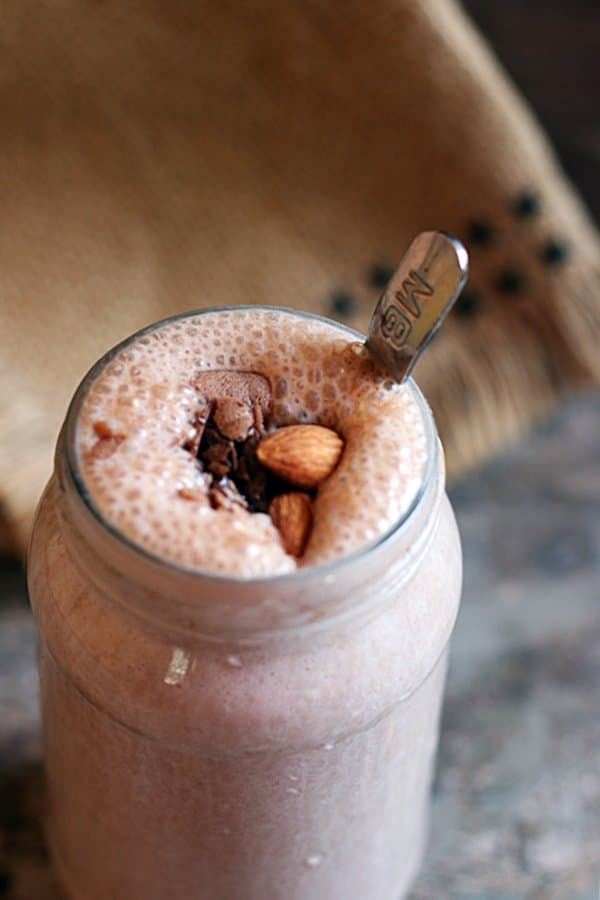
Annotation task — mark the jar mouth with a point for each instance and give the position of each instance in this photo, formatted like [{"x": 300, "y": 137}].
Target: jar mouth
[{"x": 300, "y": 575}]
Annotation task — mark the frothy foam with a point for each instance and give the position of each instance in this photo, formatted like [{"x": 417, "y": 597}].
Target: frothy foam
[{"x": 152, "y": 489}]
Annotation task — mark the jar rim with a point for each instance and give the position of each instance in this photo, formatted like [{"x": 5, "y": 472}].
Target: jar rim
[{"x": 299, "y": 575}]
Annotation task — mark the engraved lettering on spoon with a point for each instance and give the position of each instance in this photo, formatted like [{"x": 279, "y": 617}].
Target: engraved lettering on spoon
[{"x": 418, "y": 298}]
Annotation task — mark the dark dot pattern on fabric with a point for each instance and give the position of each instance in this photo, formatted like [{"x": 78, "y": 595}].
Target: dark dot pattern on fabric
[
  {"x": 554, "y": 252},
  {"x": 380, "y": 274},
  {"x": 468, "y": 304},
  {"x": 510, "y": 281},
  {"x": 526, "y": 204},
  {"x": 480, "y": 233},
  {"x": 343, "y": 303}
]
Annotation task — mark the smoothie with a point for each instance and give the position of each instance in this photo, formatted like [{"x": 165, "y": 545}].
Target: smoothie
[
  {"x": 148, "y": 400},
  {"x": 226, "y": 719}
]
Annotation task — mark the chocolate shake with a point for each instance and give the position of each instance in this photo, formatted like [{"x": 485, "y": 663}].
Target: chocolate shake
[
  {"x": 245, "y": 574},
  {"x": 137, "y": 437}
]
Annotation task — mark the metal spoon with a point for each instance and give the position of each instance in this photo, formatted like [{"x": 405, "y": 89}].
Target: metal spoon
[{"x": 417, "y": 300}]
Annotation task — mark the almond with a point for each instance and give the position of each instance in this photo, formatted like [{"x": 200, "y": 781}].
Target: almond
[
  {"x": 304, "y": 455},
  {"x": 292, "y": 516}
]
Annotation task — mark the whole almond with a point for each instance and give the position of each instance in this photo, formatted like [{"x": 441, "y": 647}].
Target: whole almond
[
  {"x": 292, "y": 516},
  {"x": 304, "y": 455}
]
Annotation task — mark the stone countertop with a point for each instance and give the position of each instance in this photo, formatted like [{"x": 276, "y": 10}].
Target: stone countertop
[
  {"x": 516, "y": 807},
  {"x": 516, "y": 811}
]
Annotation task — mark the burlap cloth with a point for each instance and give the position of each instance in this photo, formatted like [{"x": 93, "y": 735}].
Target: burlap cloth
[{"x": 158, "y": 157}]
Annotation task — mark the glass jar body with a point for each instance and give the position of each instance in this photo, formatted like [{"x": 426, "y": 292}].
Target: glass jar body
[{"x": 293, "y": 765}]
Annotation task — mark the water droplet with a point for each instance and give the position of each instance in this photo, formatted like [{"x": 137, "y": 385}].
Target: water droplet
[
  {"x": 235, "y": 662},
  {"x": 291, "y": 790},
  {"x": 314, "y": 860},
  {"x": 294, "y": 777},
  {"x": 328, "y": 746}
]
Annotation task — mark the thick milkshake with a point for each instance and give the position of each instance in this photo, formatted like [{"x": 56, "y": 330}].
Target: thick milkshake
[{"x": 228, "y": 715}]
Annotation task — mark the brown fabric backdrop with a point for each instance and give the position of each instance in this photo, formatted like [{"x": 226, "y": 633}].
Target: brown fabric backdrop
[{"x": 161, "y": 157}]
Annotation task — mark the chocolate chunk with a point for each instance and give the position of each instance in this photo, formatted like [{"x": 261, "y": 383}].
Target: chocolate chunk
[
  {"x": 251, "y": 393},
  {"x": 218, "y": 454},
  {"x": 102, "y": 429},
  {"x": 234, "y": 418},
  {"x": 228, "y": 426},
  {"x": 107, "y": 443},
  {"x": 225, "y": 495},
  {"x": 192, "y": 444},
  {"x": 250, "y": 477}
]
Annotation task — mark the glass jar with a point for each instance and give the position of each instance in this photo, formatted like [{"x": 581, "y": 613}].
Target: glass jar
[{"x": 212, "y": 738}]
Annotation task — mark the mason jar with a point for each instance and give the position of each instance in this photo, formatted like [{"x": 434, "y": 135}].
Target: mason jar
[{"x": 218, "y": 738}]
